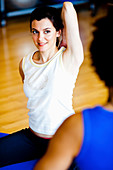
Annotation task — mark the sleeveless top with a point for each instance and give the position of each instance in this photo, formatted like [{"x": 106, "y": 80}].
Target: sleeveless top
[
  {"x": 97, "y": 149},
  {"x": 49, "y": 89}
]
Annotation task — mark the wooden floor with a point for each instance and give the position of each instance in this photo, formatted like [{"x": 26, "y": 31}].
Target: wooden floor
[{"x": 15, "y": 43}]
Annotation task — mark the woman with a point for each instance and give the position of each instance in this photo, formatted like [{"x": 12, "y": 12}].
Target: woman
[
  {"x": 87, "y": 137},
  {"x": 49, "y": 76}
]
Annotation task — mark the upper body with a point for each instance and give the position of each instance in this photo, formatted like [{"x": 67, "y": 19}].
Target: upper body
[
  {"x": 49, "y": 89},
  {"x": 45, "y": 33},
  {"x": 85, "y": 136}
]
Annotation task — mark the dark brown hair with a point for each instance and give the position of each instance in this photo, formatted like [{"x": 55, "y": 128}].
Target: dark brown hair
[{"x": 53, "y": 14}]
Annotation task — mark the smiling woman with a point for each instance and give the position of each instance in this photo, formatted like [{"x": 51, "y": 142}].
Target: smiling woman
[
  {"x": 49, "y": 76},
  {"x": 44, "y": 36}
]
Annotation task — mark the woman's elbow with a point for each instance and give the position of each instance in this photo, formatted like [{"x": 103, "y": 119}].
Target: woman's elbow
[{"x": 67, "y": 5}]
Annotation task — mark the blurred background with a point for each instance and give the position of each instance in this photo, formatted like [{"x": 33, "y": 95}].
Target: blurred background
[{"x": 16, "y": 42}]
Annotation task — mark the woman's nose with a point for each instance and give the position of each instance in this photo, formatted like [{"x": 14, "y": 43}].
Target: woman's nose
[{"x": 41, "y": 36}]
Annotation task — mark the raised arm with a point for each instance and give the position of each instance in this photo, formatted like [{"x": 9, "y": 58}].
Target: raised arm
[
  {"x": 73, "y": 55},
  {"x": 64, "y": 146}
]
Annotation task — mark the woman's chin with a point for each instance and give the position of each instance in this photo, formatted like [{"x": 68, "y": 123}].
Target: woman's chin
[{"x": 42, "y": 48}]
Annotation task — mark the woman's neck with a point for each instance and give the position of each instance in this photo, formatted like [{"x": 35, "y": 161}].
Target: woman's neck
[
  {"x": 46, "y": 56},
  {"x": 42, "y": 57}
]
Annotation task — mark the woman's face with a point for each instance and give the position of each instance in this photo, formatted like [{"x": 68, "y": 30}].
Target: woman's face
[{"x": 44, "y": 34}]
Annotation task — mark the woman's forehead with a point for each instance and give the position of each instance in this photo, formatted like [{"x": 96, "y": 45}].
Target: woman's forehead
[{"x": 43, "y": 23}]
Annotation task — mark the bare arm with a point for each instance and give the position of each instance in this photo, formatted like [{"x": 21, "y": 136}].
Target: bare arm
[
  {"x": 64, "y": 146},
  {"x": 73, "y": 55},
  {"x": 21, "y": 71}
]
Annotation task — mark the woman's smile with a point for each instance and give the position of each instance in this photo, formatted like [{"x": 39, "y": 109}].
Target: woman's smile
[{"x": 42, "y": 44}]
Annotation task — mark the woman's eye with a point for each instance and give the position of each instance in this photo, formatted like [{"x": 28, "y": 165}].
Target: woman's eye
[
  {"x": 46, "y": 32},
  {"x": 34, "y": 32}
]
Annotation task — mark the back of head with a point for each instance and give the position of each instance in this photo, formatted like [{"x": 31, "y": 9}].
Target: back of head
[
  {"x": 53, "y": 14},
  {"x": 102, "y": 48}
]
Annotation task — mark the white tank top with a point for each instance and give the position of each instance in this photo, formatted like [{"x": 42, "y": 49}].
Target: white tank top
[{"x": 49, "y": 89}]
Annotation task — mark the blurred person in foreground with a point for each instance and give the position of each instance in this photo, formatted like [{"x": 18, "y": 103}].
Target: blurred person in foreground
[{"x": 87, "y": 137}]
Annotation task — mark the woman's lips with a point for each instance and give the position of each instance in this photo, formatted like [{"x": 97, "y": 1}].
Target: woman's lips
[{"x": 42, "y": 44}]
